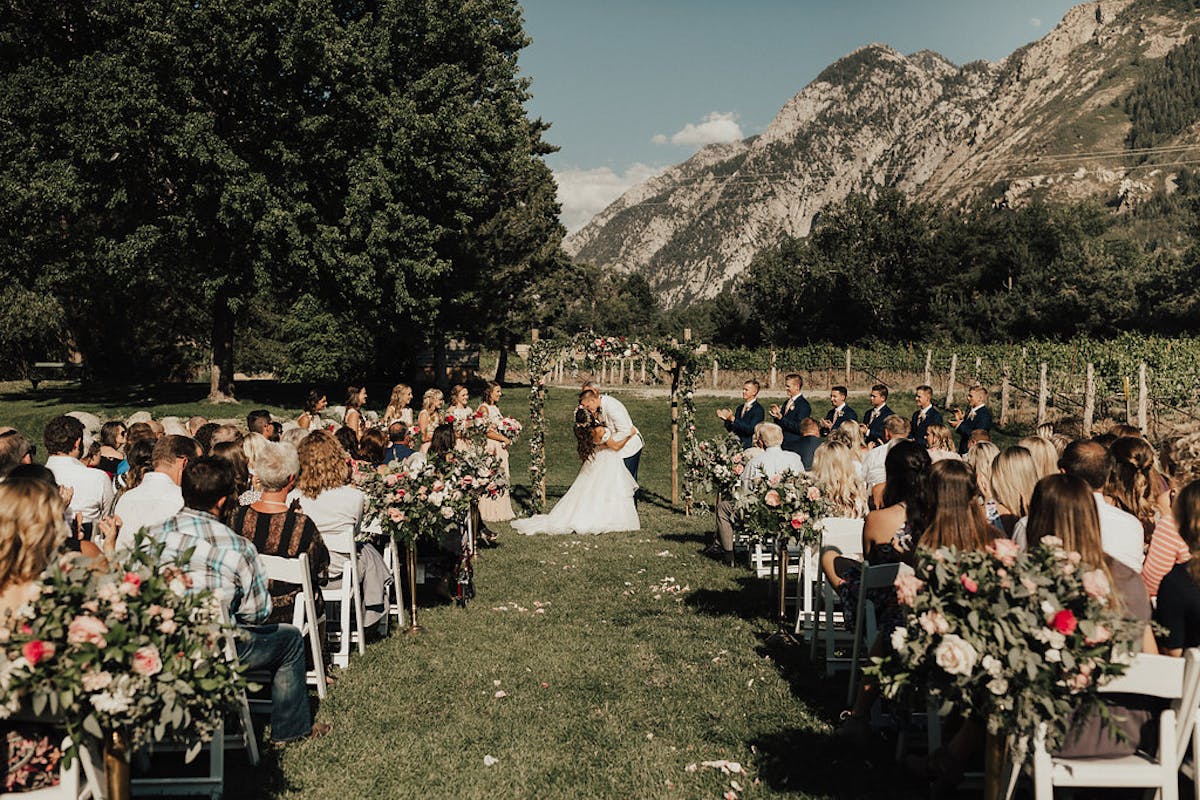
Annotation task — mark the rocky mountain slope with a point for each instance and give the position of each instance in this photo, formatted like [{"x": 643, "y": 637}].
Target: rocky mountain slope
[{"x": 1047, "y": 120}]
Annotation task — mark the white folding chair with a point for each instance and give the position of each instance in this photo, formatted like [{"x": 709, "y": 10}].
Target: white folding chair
[
  {"x": 866, "y": 626},
  {"x": 248, "y": 739},
  {"x": 823, "y": 625},
  {"x": 348, "y": 596},
  {"x": 1175, "y": 679},
  {"x": 391, "y": 557},
  {"x": 304, "y": 612}
]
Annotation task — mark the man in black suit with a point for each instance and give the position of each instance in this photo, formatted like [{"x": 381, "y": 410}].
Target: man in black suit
[
  {"x": 840, "y": 412},
  {"x": 748, "y": 414},
  {"x": 810, "y": 440},
  {"x": 794, "y": 411},
  {"x": 924, "y": 416},
  {"x": 877, "y": 413},
  {"x": 978, "y": 418}
]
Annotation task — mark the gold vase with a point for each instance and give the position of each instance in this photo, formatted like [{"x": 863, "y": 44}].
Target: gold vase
[
  {"x": 116, "y": 766},
  {"x": 995, "y": 767}
]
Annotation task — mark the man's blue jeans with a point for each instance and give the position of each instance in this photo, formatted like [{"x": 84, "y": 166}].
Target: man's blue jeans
[{"x": 279, "y": 649}]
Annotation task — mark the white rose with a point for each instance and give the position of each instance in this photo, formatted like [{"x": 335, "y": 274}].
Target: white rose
[
  {"x": 955, "y": 655},
  {"x": 899, "y": 638},
  {"x": 991, "y": 665},
  {"x": 1054, "y": 656},
  {"x": 998, "y": 686},
  {"x": 1048, "y": 609}
]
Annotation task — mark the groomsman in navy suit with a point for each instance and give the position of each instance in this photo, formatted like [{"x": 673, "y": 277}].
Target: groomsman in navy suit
[
  {"x": 978, "y": 418},
  {"x": 840, "y": 412},
  {"x": 793, "y": 413},
  {"x": 924, "y": 416},
  {"x": 747, "y": 416},
  {"x": 877, "y": 413}
]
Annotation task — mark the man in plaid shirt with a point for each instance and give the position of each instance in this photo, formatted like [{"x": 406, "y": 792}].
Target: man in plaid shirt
[{"x": 228, "y": 564}]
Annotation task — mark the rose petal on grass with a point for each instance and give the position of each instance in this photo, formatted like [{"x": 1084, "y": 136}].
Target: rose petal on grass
[
  {"x": 489, "y": 760},
  {"x": 496, "y": 682},
  {"x": 500, "y": 695},
  {"x": 737, "y": 787},
  {"x": 691, "y": 768}
]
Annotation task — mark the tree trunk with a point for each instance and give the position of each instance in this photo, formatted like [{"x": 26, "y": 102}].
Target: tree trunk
[
  {"x": 221, "y": 377},
  {"x": 502, "y": 361},
  {"x": 440, "y": 377}
]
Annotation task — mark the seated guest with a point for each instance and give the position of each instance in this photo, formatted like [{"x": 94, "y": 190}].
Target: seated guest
[
  {"x": 348, "y": 439},
  {"x": 294, "y": 436},
  {"x": 791, "y": 417},
  {"x": 836, "y": 472},
  {"x": 225, "y": 433},
  {"x": 1181, "y": 459},
  {"x": 157, "y": 496},
  {"x": 278, "y": 529},
  {"x": 978, "y": 435},
  {"x": 1131, "y": 485},
  {"x": 924, "y": 416},
  {"x": 244, "y": 484},
  {"x": 93, "y": 489},
  {"x": 259, "y": 422},
  {"x": 228, "y": 565},
  {"x": 112, "y": 445},
  {"x": 1178, "y": 607},
  {"x": 940, "y": 443},
  {"x": 876, "y": 414},
  {"x": 371, "y": 447},
  {"x": 204, "y": 435},
  {"x": 772, "y": 461},
  {"x": 398, "y": 449},
  {"x": 810, "y": 440},
  {"x": 1045, "y": 455},
  {"x": 15, "y": 449},
  {"x": 31, "y": 527},
  {"x": 839, "y": 413},
  {"x": 194, "y": 424},
  {"x": 1120, "y": 532},
  {"x": 1014, "y": 474},
  {"x": 977, "y": 417},
  {"x": 895, "y": 430},
  {"x": 139, "y": 459},
  {"x": 39, "y": 474},
  {"x": 742, "y": 421},
  {"x": 981, "y": 457}
]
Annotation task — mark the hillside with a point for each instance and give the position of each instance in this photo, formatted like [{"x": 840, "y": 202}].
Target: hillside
[{"x": 1052, "y": 120}]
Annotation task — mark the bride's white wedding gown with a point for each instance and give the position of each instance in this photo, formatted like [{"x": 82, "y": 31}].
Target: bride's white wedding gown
[{"x": 599, "y": 501}]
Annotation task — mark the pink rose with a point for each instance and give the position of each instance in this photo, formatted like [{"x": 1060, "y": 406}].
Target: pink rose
[
  {"x": 1064, "y": 622},
  {"x": 968, "y": 583},
  {"x": 1101, "y": 635},
  {"x": 146, "y": 661},
  {"x": 934, "y": 622},
  {"x": 907, "y": 585},
  {"x": 447, "y": 512},
  {"x": 168, "y": 626},
  {"x": 87, "y": 630},
  {"x": 771, "y": 498},
  {"x": 132, "y": 584},
  {"x": 390, "y": 480},
  {"x": 798, "y": 519},
  {"x": 814, "y": 493},
  {"x": 37, "y": 650},
  {"x": 1096, "y": 584},
  {"x": 737, "y": 469},
  {"x": 1005, "y": 551},
  {"x": 395, "y": 515}
]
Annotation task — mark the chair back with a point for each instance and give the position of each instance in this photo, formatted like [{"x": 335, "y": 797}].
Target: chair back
[
  {"x": 339, "y": 542},
  {"x": 1189, "y": 704},
  {"x": 843, "y": 535},
  {"x": 287, "y": 570},
  {"x": 879, "y": 576},
  {"x": 1151, "y": 675}
]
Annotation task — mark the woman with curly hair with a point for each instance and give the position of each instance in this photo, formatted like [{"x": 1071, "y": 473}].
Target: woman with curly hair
[
  {"x": 430, "y": 417},
  {"x": 601, "y": 498}
]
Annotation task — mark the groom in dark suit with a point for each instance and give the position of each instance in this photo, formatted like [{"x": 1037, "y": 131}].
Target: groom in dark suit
[
  {"x": 924, "y": 416},
  {"x": 793, "y": 413},
  {"x": 877, "y": 413},
  {"x": 840, "y": 412},
  {"x": 742, "y": 421},
  {"x": 977, "y": 418}
]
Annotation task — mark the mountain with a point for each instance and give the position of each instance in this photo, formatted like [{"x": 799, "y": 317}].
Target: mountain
[{"x": 1049, "y": 120}]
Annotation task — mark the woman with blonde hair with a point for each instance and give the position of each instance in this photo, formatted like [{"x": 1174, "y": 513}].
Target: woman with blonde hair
[
  {"x": 1014, "y": 474},
  {"x": 430, "y": 417},
  {"x": 837, "y": 473},
  {"x": 851, "y": 436},
  {"x": 940, "y": 442},
  {"x": 398, "y": 409},
  {"x": 1044, "y": 453},
  {"x": 980, "y": 457},
  {"x": 1180, "y": 458}
]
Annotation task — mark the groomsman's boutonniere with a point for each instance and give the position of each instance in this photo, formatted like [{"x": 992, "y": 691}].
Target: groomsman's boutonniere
[{"x": 971, "y": 415}]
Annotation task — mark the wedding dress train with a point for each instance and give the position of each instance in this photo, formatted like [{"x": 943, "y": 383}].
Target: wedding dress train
[{"x": 599, "y": 501}]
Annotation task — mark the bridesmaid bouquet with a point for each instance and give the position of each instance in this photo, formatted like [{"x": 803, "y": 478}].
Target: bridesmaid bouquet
[
  {"x": 471, "y": 425},
  {"x": 121, "y": 646},
  {"x": 1009, "y": 638},
  {"x": 480, "y": 474},
  {"x": 789, "y": 504},
  {"x": 509, "y": 428}
]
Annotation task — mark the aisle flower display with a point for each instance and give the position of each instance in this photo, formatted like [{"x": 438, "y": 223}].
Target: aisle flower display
[
  {"x": 789, "y": 505},
  {"x": 715, "y": 465},
  {"x": 123, "y": 652},
  {"x": 1009, "y": 638},
  {"x": 410, "y": 502}
]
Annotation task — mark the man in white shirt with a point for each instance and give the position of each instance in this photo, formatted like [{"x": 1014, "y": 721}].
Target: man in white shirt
[
  {"x": 158, "y": 497},
  {"x": 772, "y": 461},
  {"x": 93, "y": 489},
  {"x": 616, "y": 418},
  {"x": 1121, "y": 535},
  {"x": 895, "y": 429}
]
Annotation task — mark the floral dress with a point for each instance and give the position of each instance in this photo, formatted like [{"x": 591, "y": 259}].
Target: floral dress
[
  {"x": 31, "y": 758},
  {"x": 887, "y": 610},
  {"x": 499, "y": 509}
]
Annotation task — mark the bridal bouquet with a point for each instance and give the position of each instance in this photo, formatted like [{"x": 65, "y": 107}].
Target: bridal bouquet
[
  {"x": 121, "y": 646},
  {"x": 509, "y": 428},
  {"x": 789, "y": 504},
  {"x": 1008, "y": 638}
]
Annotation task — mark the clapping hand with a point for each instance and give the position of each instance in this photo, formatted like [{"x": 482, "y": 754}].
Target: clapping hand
[
  {"x": 776, "y": 412},
  {"x": 725, "y": 414},
  {"x": 67, "y": 493},
  {"x": 108, "y": 527}
]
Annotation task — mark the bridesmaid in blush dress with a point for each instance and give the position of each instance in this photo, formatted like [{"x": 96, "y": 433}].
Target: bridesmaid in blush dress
[{"x": 500, "y": 509}]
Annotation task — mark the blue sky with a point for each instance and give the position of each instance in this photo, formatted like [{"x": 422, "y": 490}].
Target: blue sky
[{"x": 633, "y": 87}]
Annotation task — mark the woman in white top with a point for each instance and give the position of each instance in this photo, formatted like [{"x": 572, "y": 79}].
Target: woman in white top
[
  {"x": 430, "y": 416},
  {"x": 398, "y": 409},
  {"x": 500, "y": 509}
]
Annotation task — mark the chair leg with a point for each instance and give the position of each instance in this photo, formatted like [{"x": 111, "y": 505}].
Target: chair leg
[
  {"x": 251, "y": 738},
  {"x": 318, "y": 657},
  {"x": 359, "y": 614}
]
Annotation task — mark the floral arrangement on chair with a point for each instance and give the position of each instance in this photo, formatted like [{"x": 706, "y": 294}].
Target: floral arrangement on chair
[
  {"x": 716, "y": 465},
  {"x": 479, "y": 474},
  {"x": 788, "y": 505},
  {"x": 121, "y": 646},
  {"x": 1009, "y": 638},
  {"x": 408, "y": 503}
]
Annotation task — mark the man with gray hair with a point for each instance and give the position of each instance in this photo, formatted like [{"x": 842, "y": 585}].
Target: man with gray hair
[{"x": 772, "y": 461}]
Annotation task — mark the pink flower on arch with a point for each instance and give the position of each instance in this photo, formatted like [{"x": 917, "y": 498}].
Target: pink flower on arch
[
  {"x": 968, "y": 583},
  {"x": 771, "y": 498}
]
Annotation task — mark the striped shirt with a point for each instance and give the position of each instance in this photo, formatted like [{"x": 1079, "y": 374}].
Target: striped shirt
[
  {"x": 221, "y": 561},
  {"x": 1167, "y": 549}
]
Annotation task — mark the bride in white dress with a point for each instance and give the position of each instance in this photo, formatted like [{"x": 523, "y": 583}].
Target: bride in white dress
[{"x": 601, "y": 498}]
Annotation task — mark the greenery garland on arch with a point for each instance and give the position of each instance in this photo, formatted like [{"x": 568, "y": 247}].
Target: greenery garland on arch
[
  {"x": 681, "y": 359},
  {"x": 540, "y": 355}
]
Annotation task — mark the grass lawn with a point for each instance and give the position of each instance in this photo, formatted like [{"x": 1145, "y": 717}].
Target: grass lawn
[{"x": 624, "y": 659}]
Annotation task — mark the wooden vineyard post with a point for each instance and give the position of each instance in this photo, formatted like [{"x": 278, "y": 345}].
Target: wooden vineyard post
[
  {"x": 771, "y": 381},
  {"x": 1128, "y": 400},
  {"x": 716, "y": 372},
  {"x": 643, "y": 370},
  {"x": 929, "y": 368},
  {"x": 1089, "y": 400},
  {"x": 1004, "y": 396},
  {"x": 950, "y": 383},
  {"x": 1043, "y": 394},
  {"x": 847, "y": 367},
  {"x": 1143, "y": 398}
]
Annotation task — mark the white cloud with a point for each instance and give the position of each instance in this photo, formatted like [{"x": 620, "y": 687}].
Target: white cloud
[
  {"x": 1034, "y": 22},
  {"x": 716, "y": 127},
  {"x": 584, "y": 193}
]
